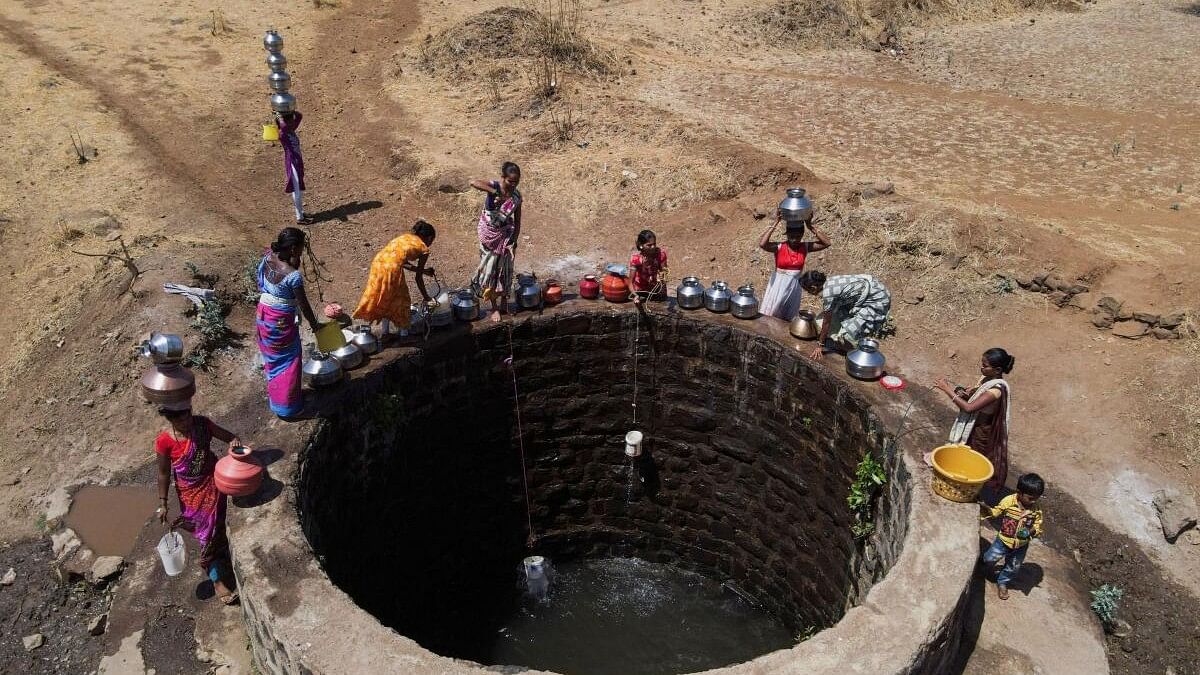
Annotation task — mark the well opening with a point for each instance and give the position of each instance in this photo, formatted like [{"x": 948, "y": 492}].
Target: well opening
[{"x": 411, "y": 493}]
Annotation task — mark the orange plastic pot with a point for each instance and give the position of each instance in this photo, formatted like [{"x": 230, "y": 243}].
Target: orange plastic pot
[
  {"x": 238, "y": 473},
  {"x": 552, "y": 295},
  {"x": 613, "y": 287}
]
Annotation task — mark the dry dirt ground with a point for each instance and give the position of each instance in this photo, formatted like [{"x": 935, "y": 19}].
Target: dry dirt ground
[{"x": 1015, "y": 142}]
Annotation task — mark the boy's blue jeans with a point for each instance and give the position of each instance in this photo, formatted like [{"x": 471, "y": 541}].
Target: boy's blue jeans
[{"x": 1013, "y": 557}]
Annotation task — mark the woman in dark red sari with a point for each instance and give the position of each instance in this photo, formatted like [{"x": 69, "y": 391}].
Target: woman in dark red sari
[
  {"x": 983, "y": 415},
  {"x": 184, "y": 452}
]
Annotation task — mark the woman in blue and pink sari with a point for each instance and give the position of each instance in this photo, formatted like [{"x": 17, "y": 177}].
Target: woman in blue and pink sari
[
  {"x": 281, "y": 287},
  {"x": 184, "y": 452}
]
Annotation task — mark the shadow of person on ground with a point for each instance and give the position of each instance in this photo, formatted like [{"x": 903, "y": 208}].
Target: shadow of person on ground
[
  {"x": 1028, "y": 578},
  {"x": 344, "y": 212}
]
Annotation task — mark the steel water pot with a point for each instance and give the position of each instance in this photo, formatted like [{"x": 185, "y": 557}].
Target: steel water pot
[
  {"x": 163, "y": 348},
  {"x": 322, "y": 370},
  {"x": 717, "y": 297},
  {"x": 349, "y": 355},
  {"x": 529, "y": 292},
  {"x": 690, "y": 294},
  {"x": 273, "y": 41},
  {"x": 279, "y": 81},
  {"x": 795, "y": 206},
  {"x": 464, "y": 305},
  {"x": 283, "y": 102},
  {"x": 365, "y": 340},
  {"x": 866, "y": 362},
  {"x": 744, "y": 305},
  {"x": 276, "y": 61},
  {"x": 804, "y": 326}
]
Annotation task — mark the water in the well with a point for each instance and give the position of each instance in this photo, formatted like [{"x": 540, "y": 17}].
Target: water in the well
[
  {"x": 109, "y": 518},
  {"x": 623, "y": 616}
]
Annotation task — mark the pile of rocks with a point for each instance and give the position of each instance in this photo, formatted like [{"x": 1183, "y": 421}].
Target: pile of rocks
[
  {"x": 1108, "y": 313},
  {"x": 1126, "y": 322},
  {"x": 1061, "y": 291}
]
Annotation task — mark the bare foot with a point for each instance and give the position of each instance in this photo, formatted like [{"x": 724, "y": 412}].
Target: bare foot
[
  {"x": 494, "y": 316},
  {"x": 227, "y": 596},
  {"x": 1002, "y": 592},
  {"x": 929, "y": 459}
]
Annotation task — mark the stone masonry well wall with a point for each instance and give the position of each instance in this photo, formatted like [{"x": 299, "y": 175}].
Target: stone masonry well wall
[{"x": 411, "y": 493}]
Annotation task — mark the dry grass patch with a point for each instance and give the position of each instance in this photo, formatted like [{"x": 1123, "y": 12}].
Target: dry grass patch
[
  {"x": 543, "y": 37},
  {"x": 945, "y": 258},
  {"x": 871, "y": 23}
]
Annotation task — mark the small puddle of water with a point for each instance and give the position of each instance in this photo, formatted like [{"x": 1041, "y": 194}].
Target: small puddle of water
[{"x": 109, "y": 518}]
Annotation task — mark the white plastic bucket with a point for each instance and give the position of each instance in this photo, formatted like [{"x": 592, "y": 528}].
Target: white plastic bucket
[
  {"x": 172, "y": 552},
  {"x": 633, "y": 444}
]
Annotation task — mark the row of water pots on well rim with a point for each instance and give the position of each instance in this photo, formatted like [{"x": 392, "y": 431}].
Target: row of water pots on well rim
[{"x": 691, "y": 294}]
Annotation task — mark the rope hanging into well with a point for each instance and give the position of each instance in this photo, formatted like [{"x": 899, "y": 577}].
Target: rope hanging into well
[
  {"x": 520, "y": 434},
  {"x": 659, "y": 287}
]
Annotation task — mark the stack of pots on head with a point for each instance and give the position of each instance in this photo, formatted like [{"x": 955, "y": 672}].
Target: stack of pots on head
[
  {"x": 167, "y": 382},
  {"x": 279, "y": 81}
]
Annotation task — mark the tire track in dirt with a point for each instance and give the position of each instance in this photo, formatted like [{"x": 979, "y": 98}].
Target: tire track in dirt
[{"x": 169, "y": 158}]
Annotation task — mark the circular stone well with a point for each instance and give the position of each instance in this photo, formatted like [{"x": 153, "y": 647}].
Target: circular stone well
[{"x": 411, "y": 493}]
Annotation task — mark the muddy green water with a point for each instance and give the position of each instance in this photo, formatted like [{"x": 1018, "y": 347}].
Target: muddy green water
[{"x": 625, "y": 616}]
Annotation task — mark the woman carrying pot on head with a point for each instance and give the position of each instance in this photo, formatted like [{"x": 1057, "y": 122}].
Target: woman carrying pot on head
[
  {"x": 499, "y": 230},
  {"x": 782, "y": 299},
  {"x": 293, "y": 160},
  {"x": 853, "y": 306},
  {"x": 386, "y": 297},
  {"x": 281, "y": 294},
  {"x": 983, "y": 413},
  {"x": 185, "y": 457}
]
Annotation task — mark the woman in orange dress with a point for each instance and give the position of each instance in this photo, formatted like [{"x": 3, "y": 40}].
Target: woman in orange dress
[{"x": 386, "y": 296}]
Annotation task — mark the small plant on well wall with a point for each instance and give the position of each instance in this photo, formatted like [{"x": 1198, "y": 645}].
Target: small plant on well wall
[{"x": 869, "y": 477}]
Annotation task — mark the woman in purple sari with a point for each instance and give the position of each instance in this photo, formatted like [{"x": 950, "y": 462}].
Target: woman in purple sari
[
  {"x": 281, "y": 289},
  {"x": 184, "y": 452},
  {"x": 293, "y": 160}
]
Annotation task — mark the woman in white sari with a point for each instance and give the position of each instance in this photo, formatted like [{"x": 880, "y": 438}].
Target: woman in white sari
[{"x": 983, "y": 413}]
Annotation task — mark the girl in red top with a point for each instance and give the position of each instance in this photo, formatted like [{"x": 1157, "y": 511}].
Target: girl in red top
[
  {"x": 644, "y": 267},
  {"x": 782, "y": 299}
]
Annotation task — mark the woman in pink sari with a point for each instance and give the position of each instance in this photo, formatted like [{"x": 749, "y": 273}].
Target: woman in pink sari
[
  {"x": 499, "y": 229},
  {"x": 184, "y": 452}
]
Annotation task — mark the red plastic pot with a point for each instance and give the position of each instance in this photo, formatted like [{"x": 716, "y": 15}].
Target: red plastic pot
[
  {"x": 589, "y": 288},
  {"x": 238, "y": 473}
]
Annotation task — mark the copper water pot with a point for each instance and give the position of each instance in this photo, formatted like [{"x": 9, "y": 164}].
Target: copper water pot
[{"x": 168, "y": 383}]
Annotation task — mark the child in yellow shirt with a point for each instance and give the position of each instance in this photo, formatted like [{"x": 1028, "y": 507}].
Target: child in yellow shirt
[{"x": 1020, "y": 521}]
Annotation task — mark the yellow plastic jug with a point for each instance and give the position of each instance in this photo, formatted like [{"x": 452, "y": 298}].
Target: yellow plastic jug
[
  {"x": 329, "y": 337},
  {"x": 270, "y": 132}
]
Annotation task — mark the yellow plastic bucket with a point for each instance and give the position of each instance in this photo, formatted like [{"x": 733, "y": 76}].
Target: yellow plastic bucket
[
  {"x": 329, "y": 337},
  {"x": 270, "y": 132},
  {"x": 959, "y": 472}
]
